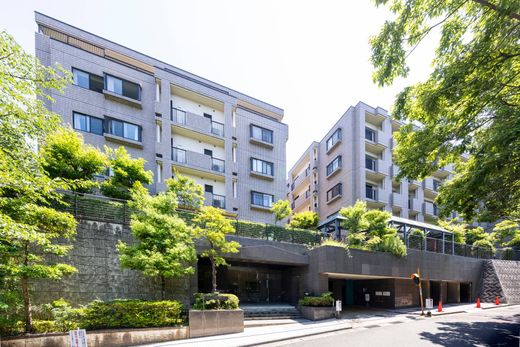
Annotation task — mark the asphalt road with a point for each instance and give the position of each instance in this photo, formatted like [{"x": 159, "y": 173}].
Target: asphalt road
[{"x": 494, "y": 327}]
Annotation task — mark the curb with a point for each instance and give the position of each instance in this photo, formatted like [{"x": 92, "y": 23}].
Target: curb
[
  {"x": 297, "y": 337},
  {"x": 498, "y": 306},
  {"x": 447, "y": 313}
]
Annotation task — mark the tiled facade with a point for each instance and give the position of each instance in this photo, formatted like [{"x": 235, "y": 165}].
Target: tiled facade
[
  {"x": 171, "y": 118},
  {"x": 353, "y": 162}
]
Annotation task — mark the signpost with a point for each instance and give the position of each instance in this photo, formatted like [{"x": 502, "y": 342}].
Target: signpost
[
  {"x": 416, "y": 277},
  {"x": 339, "y": 308},
  {"x": 78, "y": 338}
]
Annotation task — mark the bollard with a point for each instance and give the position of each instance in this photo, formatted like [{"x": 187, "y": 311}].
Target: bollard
[
  {"x": 478, "y": 302},
  {"x": 497, "y": 302},
  {"x": 439, "y": 308}
]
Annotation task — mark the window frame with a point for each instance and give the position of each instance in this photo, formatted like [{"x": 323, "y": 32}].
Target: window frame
[
  {"x": 374, "y": 161},
  {"x": 89, "y": 80},
  {"x": 253, "y": 192},
  {"x": 123, "y": 81},
  {"x": 108, "y": 129},
  {"x": 338, "y": 186},
  {"x": 262, "y": 129},
  {"x": 89, "y": 123},
  {"x": 373, "y": 188},
  {"x": 334, "y": 139},
  {"x": 331, "y": 165},
  {"x": 267, "y": 164},
  {"x": 373, "y": 132}
]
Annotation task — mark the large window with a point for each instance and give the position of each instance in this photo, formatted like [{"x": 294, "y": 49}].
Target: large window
[
  {"x": 87, "y": 80},
  {"x": 87, "y": 123},
  {"x": 261, "y": 166},
  {"x": 370, "y": 134},
  {"x": 334, "y": 191},
  {"x": 334, "y": 165},
  {"x": 334, "y": 138},
  {"x": 261, "y": 134},
  {"x": 370, "y": 163},
  {"x": 370, "y": 192},
  {"x": 123, "y": 129},
  {"x": 122, "y": 87},
  {"x": 262, "y": 199}
]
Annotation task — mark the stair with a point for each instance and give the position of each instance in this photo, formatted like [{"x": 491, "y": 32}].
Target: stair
[
  {"x": 500, "y": 278},
  {"x": 270, "y": 312}
]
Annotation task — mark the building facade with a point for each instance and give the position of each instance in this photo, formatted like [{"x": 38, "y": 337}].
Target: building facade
[
  {"x": 230, "y": 143},
  {"x": 354, "y": 162}
]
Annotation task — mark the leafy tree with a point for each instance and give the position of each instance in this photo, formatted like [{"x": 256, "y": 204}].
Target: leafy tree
[
  {"x": 66, "y": 157},
  {"x": 458, "y": 230},
  {"x": 30, "y": 230},
  {"x": 477, "y": 234},
  {"x": 281, "y": 209},
  {"x": 211, "y": 226},
  {"x": 505, "y": 231},
  {"x": 304, "y": 220},
  {"x": 164, "y": 246},
  {"x": 355, "y": 222},
  {"x": 189, "y": 193},
  {"x": 469, "y": 104},
  {"x": 126, "y": 171}
]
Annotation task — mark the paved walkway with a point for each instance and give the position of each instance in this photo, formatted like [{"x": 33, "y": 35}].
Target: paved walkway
[{"x": 352, "y": 318}]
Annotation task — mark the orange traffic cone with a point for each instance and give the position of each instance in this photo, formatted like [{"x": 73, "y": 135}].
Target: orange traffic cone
[
  {"x": 497, "y": 302},
  {"x": 478, "y": 302},
  {"x": 439, "y": 309}
]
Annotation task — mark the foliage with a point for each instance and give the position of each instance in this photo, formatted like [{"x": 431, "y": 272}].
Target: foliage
[
  {"x": 458, "y": 230},
  {"x": 483, "y": 245},
  {"x": 66, "y": 157},
  {"x": 164, "y": 246},
  {"x": 369, "y": 230},
  {"x": 417, "y": 233},
  {"x": 505, "y": 231},
  {"x": 126, "y": 171},
  {"x": 325, "y": 300},
  {"x": 189, "y": 193},
  {"x": 215, "y": 301},
  {"x": 32, "y": 234},
  {"x": 476, "y": 234},
  {"x": 469, "y": 104},
  {"x": 304, "y": 220},
  {"x": 211, "y": 226},
  {"x": 334, "y": 243},
  {"x": 281, "y": 210}
]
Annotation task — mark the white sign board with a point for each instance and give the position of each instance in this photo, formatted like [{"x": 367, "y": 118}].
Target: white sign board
[
  {"x": 429, "y": 303},
  {"x": 78, "y": 338},
  {"x": 386, "y": 293},
  {"x": 379, "y": 293},
  {"x": 338, "y": 305},
  {"x": 367, "y": 297}
]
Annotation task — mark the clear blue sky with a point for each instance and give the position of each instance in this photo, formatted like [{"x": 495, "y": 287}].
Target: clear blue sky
[{"x": 310, "y": 58}]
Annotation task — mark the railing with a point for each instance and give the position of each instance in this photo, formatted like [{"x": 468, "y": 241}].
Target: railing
[
  {"x": 218, "y": 201},
  {"x": 198, "y": 160},
  {"x": 178, "y": 155},
  {"x": 178, "y": 116},
  {"x": 218, "y": 165},
  {"x": 217, "y": 128}
]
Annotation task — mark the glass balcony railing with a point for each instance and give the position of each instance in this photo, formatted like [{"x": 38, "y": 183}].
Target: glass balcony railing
[
  {"x": 218, "y": 165},
  {"x": 217, "y": 128},
  {"x": 218, "y": 201},
  {"x": 178, "y": 116},
  {"x": 178, "y": 155}
]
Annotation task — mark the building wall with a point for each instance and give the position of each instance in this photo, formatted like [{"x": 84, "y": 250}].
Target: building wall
[{"x": 163, "y": 85}]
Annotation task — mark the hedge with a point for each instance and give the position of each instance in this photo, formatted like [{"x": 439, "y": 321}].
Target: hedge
[
  {"x": 215, "y": 301},
  {"x": 325, "y": 300}
]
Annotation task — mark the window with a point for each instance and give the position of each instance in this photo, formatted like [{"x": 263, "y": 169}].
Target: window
[
  {"x": 123, "y": 129},
  {"x": 333, "y": 139},
  {"x": 87, "y": 80},
  {"x": 334, "y": 165},
  {"x": 370, "y": 192},
  {"x": 87, "y": 123},
  {"x": 262, "y": 199},
  {"x": 122, "y": 87},
  {"x": 370, "y": 134},
  {"x": 261, "y": 166},
  {"x": 158, "y": 132},
  {"x": 334, "y": 192},
  {"x": 158, "y": 90},
  {"x": 436, "y": 185},
  {"x": 234, "y": 119},
  {"x": 234, "y": 152},
  {"x": 235, "y": 188},
  {"x": 208, "y": 152},
  {"x": 159, "y": 172},
  {"x": 370, "y": 163},
  {"x": 261, "y": 134},
  {"x": 208, "y": 188}
]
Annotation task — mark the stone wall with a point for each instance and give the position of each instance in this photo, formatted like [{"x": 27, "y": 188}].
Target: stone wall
[
  {"x": 500, "y": 278},
  {"x": 100, "y": 276}
]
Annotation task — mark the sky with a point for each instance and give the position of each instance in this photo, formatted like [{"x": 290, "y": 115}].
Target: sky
[{"x": 310, "y": 58}]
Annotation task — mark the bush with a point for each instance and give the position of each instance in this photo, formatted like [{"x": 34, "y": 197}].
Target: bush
[
  {"x": 215, "y": 301},
  {"x": 334, "y": 243},
  {"x": 325, "y": 300},
  {"x": 45, "y": 326},
  {"x": 130, "y": 314}
]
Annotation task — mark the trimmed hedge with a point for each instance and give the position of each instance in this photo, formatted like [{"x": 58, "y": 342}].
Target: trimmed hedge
[
  {"x": 215, "y": 301},
  {"x": 325, "y": 300}
]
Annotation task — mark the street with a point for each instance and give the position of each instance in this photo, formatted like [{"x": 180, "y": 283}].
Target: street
[{"x": 493, "y": 327}]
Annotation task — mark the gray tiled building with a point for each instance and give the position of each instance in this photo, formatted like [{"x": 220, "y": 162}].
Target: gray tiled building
[
  {"x": 353, "y": 162},
  {"x": 232, "y": 144}
]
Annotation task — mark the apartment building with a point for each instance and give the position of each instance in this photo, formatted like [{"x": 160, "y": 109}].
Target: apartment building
[
  {"x": 353, "y": 162},
  {"x": 230, "y": 143}
]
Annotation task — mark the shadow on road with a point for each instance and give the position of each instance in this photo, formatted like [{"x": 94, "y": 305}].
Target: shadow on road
[{"x": 456, "y": 334}]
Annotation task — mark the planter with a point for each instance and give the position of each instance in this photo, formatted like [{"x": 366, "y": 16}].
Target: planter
[
  {"x": 102, "y": 338},
  {"x": 215, "y": 322},
  {"x": 317, "y": 313}
]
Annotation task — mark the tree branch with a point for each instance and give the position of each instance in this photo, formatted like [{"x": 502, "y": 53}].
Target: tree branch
[{"x": 512, "y": 15}]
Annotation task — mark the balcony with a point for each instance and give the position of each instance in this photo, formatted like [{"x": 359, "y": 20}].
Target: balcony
[
  {"x": 215, "y": 200},
  {"x": 414, "y": 205},
  {"x": 394, "y": 171},
  {"x": 430, "y": 209},
  {"x": 413, "y": 184},
  {"x": 301, "y": 202},
  {"x": 197, "y": 161},
  {"x": 376, "y": 197},
  {"x": 188, "y": 121},
  {"x": 374, "y": 141},
  {"x": 374, "y": 171},
  {"x": 301, "y": 178},
  {"x": 396, "y": 199}
]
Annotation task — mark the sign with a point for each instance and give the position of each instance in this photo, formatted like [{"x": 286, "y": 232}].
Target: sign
[
  {"x": 386, "y": 293},
  {"x": 429, "y": 304},
  {"x": 338, "y": 306},
  {"x": 78, "y": 338},
  {"x": 379, "y": 293},
  {"x": 367, "y": 297}
]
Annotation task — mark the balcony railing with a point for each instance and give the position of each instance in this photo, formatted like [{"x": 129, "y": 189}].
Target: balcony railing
[
  {"x": 217, "y": 128},
  {"x": 197, "y": 122},
  {"x": 430, "y": 209},
  {"x": 178, "y": 116},
  {"x": 198, "y": 160},
  {"x": 215, "y": 200},
  {"x": 218, "y": 165},
  {"x": 178, "y": 155}
]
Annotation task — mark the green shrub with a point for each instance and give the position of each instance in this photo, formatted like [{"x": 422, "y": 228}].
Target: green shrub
[
  {"x": 130, "y": 314},
  {"x": 334, "y": 243},
  {"x": 45, "y": 326},
  {"x": 325, "y": 300},
  {"x": 215, "y": 301}
]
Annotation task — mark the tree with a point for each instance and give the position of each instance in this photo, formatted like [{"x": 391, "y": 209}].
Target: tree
[
  {"x": 189, "y": 193},
  {"x": 66, "y": 157},
  {"x": 281, "y": 209},
  {"x": 355, "y": 222},
  {"x": 126, "y": 171},
  {"x": 505, "y": 231},
  {"x": 30, "y": 229},
  {"x": 164, "y": 246},
  {"x": 458, "y": 230},
  {"x": 304, "y": 220},
  {"x": 211, "y": 226},
  {"x": 469, "y": 104}
]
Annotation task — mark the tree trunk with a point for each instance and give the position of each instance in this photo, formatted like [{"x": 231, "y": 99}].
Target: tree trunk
[
  {"x": 163, "y": 287},
  {"x": 26, "y": 305},
  {"x": 213, "y": 275}
]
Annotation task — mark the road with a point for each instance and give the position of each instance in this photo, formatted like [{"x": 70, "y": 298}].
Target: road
[{"x": 493, "y": 327}]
